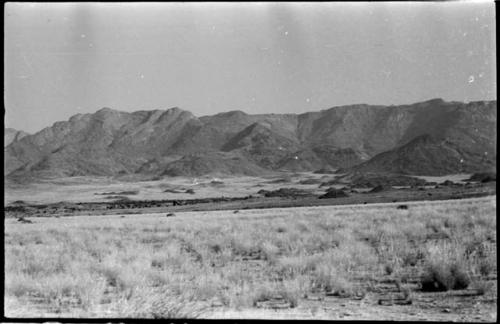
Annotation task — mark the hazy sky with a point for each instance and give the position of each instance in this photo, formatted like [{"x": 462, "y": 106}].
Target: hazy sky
[{"x": 64, "y": 59}]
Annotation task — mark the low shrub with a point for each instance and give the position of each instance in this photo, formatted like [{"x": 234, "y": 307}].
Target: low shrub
[
  {"x": 445, "y": 269},
  {"x": 156, "y": 304},
  {"x": 277, "y": 292},
  {"x": 445, "y": 277}
]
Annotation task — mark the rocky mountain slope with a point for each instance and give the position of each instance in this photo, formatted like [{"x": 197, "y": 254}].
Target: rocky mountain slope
[
  {"x": 426, "y": 155},
  {"x": 11, "y": 135},
  {"x": 425, "y": 138}
]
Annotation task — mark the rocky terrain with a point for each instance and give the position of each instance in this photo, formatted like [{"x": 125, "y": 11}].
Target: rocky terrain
[
  {"x": 12, "y": 135},
  {"x": 428, "y": 138}
]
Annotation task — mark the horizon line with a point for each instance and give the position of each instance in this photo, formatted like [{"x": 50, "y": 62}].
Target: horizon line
[{"x": 245, "y": 112}]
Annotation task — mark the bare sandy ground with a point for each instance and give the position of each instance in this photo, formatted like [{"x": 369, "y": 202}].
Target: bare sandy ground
[{"x": 91, "y": 189}]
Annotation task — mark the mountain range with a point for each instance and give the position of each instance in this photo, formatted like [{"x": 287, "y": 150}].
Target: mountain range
[{"x": 434, "y": 137}]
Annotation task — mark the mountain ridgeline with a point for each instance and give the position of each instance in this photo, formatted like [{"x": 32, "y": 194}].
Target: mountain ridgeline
[
  {"x": 428, "y": 138},
  {"x": 12, "y": 135}
]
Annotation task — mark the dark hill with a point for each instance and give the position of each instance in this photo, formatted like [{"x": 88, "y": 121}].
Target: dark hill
[{"x": 427, "y": 155}]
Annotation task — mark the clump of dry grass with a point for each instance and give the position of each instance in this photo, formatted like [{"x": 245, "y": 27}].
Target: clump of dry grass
[
  {"x": 445, "y": 269},
  {"x": 482, "y": 287},
  {"x": 157, "y": 304},
  {"x": 327, "y": 278},
  {"x": 290, "y": 267},
  {"x": 282, "y": 292},
  {"x": 487, "y": 265},
  {"x": 445, "y": 277}
]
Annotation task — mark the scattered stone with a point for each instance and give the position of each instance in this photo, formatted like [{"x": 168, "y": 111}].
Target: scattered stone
[
  {"x": 396, "y": 300},
  {"x": 388, "y": 302},
  {"x": 384, "y": 302},
  {"x": 446, "y": 310},
  {"x": 402, "y": 207},
  {"x": 217, "y": 303},
  {"x": 403, "y": 302},
  {"x": 236, "y": 212},
  {"x": 359, "y": 295},
  {"x": 372, "y": 180},
  {"x": 315, "y": 297},
  {"x": 274, "y": 304},
  {"x": 338, "y": 293},
  {"x": 334, "y": 193},
  {"x": 285, "y": 192},
  {"x": 170, "y": 214}
]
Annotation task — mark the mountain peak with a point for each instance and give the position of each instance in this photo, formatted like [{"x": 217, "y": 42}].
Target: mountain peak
[
  {"x": 434, "y": 101},
  {"x": 175, "y": 109},
  {"x": 233, "y": 114},
  {"x": 11, "y": 135},
  {"x": 176, "y": 112},
  {"x": 105, "y": 110},
  {"x": 9, "y": 129}
]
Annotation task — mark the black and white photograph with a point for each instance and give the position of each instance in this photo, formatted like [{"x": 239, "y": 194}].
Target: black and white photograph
[{"x": 250, "y": 160}]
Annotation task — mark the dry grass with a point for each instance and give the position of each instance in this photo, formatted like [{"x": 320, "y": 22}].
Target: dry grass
[
  {"x": 149, "y": 266},
  {"x": 446, "y": 269}
]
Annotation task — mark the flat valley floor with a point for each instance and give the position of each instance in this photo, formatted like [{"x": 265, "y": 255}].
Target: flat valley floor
[{"x": 433, "y": 260}]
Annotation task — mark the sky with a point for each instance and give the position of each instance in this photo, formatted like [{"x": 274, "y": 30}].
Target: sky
[{"x": 67, "y": 58}]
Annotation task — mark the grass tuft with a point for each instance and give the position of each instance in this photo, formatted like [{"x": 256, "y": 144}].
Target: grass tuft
[{"x": 445, "y": 270}]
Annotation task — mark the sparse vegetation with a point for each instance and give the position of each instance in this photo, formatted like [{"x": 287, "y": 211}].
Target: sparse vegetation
[
  {"x": 152, "y": 267},
  {"x": 483, "y": 177},
  {"x": 169, "y": 190},
  {"x": 285, "y": 179},
  {"x": 127, "y": 192},
  {"x": 446, "y": 269},
  {"x": 333, "y": 193},
  {"x": 372, "y": 180},
  {"x": 324, "y": 171},
  {"x": 309, "y": 181},
  {"x": 285, "y": 192}
]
